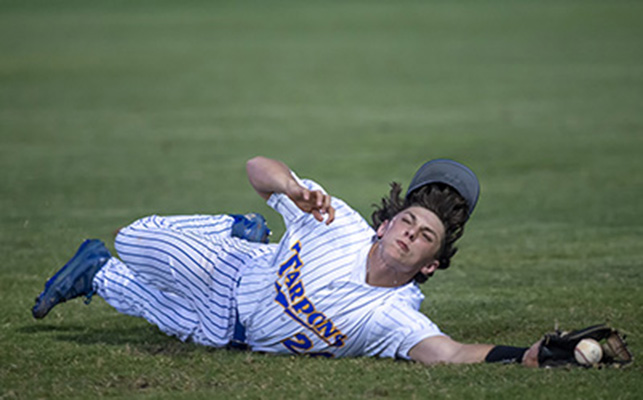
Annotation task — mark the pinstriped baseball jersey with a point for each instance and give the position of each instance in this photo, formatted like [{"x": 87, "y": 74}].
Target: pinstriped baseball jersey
[{"x": 313, "y": 298}]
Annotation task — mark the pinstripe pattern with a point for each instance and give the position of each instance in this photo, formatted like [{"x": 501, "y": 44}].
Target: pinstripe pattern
[
  {"x": 188, "y": 265},
  {"x": 128, "y": 295}
]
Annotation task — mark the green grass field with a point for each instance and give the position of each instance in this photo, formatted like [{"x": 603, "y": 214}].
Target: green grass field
[{"x": 110, "y": 111}]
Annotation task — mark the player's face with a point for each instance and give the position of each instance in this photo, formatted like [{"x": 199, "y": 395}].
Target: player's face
[{"x": 412, "y": 239}]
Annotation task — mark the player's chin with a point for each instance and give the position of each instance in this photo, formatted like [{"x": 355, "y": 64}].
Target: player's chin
[{"x": 393, "y": 253}]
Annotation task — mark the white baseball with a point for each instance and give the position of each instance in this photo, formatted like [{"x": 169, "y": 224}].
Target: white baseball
[{"x": 588, "y": 351}]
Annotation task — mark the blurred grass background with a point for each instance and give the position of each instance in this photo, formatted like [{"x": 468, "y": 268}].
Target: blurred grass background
[{"x": 114, "y": 110}]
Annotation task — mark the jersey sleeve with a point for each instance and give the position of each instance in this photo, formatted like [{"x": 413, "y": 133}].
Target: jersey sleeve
[
  {"x": 284, "y": 206},
  {"x": 396, "y": 328}
]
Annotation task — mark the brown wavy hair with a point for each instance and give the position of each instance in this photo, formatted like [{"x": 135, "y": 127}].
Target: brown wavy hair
[{"x": 439, "y": 198}]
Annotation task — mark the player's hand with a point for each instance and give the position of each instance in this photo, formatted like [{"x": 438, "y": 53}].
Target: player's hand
[
  {"x": 530, "y": 359},
  {"x": 314, "y": 202}
]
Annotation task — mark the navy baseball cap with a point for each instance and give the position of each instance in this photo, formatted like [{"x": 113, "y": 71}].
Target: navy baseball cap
[{"x": 451, "y": 173}]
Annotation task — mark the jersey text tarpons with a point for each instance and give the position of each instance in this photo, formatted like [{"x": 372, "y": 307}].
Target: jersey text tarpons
[{"x": 291, "y": 295}]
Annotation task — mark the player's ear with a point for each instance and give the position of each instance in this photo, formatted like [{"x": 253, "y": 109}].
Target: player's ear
[
  {"x": 382, "y": 228},
  {"x": 430, "y": 268}
]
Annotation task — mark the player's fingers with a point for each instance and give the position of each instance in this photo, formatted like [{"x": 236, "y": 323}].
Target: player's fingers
[
  {"x": 317, "y": 215},
  {"x": 331, "y": 215},
  {"x": 326, "y": 203},
  {"x": 318, "y": 199}
]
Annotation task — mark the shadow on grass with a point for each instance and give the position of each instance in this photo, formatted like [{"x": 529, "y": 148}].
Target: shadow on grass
[
  {"x": 145, "y": 339},
  {"x": 38, "y": 328}
]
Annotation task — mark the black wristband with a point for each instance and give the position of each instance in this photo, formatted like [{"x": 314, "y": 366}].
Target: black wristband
[{"x": 506, "y": 354}]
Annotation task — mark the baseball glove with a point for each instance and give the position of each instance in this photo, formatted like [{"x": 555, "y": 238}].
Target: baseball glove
[{"x": 557, "y": 348}]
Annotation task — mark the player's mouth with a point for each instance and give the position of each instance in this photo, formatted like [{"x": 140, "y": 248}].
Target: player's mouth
[{"x": 402, "y": 246}]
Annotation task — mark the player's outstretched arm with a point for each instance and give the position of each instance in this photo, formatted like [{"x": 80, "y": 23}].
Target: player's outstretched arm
[
  {"x": 268, "y": 176},
  {"x": 442, "y": 349}
]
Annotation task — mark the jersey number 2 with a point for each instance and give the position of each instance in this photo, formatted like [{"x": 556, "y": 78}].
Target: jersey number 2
[{"x": 300, "y": 343}]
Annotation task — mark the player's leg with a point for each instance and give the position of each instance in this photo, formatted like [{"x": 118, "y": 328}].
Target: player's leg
[
  {"x": 192, "y": 257},
  {"x": 173, "y": 314},
  {"x": 177, "y": 254},
  {"x": 173, "y": 257},
  {"x": 93, "y": 269},
  {"x": 251, "y": 227},
  {"x": 151, "y": 245}
]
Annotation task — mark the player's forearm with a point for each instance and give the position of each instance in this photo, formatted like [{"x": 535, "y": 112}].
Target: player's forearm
[
  {"x": 268, "y": 176},
  {"x": 471, "y": 353},
  {"x": 442, "y": 349}
]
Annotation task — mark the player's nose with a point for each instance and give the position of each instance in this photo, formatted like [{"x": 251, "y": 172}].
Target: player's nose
[{"x": 411, "y": 234}]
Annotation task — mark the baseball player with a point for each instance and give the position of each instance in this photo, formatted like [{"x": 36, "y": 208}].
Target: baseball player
[{"x": 333, "y": 286}]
